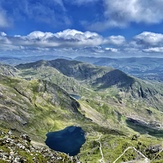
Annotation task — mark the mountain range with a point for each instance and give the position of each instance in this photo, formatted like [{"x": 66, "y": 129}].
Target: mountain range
[{"x": 115, "y": 110}]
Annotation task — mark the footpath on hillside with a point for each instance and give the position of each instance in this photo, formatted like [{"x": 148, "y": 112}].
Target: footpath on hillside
[{"x": 143, "y": 160}]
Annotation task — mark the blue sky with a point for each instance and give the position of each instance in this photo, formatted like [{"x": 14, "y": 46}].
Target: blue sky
[{"x": 118, "y": 28}]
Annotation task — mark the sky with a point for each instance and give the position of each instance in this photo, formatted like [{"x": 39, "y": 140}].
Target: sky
[{"x": 100, "y": 28}]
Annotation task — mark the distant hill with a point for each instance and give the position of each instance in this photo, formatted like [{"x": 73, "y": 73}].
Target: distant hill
[
  {"x": 145, "y": 67},
  {"x": 18, "y": 59}
]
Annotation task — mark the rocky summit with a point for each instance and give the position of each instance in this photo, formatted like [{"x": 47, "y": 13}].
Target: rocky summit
[{"x": 20, "y": 149}]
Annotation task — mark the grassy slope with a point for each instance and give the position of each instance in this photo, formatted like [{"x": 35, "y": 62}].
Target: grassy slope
[{"x": 36, "y": 106}]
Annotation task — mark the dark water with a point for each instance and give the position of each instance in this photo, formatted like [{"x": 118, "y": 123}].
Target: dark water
[
  {"x": 77, "y": 97},
  {"x": 68, "y": 140}
]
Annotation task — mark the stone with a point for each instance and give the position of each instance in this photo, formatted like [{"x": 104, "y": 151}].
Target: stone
[{"x": 26, "y": 137}]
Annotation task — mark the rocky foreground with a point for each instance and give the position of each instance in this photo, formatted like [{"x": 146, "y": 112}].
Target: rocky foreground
[{"x": 19, "y": 149}]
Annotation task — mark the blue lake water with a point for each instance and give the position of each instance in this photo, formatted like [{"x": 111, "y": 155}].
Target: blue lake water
[{"x": 68, "y": 140}]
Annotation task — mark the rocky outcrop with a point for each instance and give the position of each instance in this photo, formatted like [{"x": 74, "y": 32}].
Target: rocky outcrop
[
  {"x": 142, "y": 122},
  {"x": 60, "y": 96},
  {"x": 8, "y": 70},
  {"x": 18, "y": 149}
]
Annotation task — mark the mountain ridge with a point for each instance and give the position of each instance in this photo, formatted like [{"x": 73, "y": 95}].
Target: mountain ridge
[{"x": 98, "y": 77}]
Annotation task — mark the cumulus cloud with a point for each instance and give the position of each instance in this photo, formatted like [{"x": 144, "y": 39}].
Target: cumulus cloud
[
  {"x": 78, "y": 38},
  {"x": 67, "y": 38},
  {"x": 148, "y": 42},
  {"x": 149, "y": 39},
  {"x": 67, "y": 42},
  {"x": 72, "y": 41},
  {"x": 116, "y": 40}
]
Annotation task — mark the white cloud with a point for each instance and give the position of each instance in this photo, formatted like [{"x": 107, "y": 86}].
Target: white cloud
[
  {"x": 111, "y": 49},
  {"x": 116, "y": 40},
  {"x": 69, "y": 34},
  {"x": 147, "y": 42},
  {"x": 38, "y": 35},
  {"x": 120, "y": 13},
  {"x": 3, "y": 39},
  {"x": 135, "y": 10},
  {"x": 66, "y": 42},
  {"x": 149, "y": 39},
  {"x": 154, "y": 50},
  {"x": 73, "y": 42},
  {"x": 3, "y": 34},
  {"x": 78, "y": 38},
  {"x": 66, "y": 38}
]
